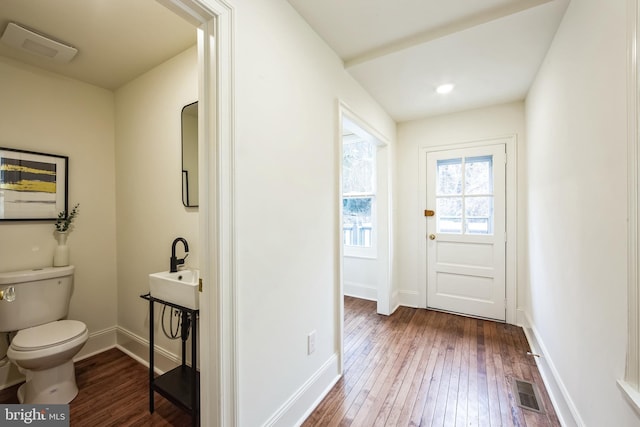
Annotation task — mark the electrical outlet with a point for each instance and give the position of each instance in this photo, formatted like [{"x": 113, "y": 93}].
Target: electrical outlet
[{"x": 311, "y": 342}]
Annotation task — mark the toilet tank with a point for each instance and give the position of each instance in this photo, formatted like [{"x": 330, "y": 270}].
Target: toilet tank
[{"x": 41, "y": 296}]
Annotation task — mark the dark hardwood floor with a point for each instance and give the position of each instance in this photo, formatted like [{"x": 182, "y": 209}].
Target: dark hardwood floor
[
  {"x": 114, "y": 392},
  {"x": 426, "y": 368},
  {"x": 414, "y": 368}
]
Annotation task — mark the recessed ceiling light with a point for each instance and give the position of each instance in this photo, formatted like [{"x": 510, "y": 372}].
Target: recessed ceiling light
[{"x": 445, "y": 88}]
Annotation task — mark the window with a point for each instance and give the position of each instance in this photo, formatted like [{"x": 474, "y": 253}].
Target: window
[
  {"x": 464, "y": 195},
  {"x": 358, "y": 195}
]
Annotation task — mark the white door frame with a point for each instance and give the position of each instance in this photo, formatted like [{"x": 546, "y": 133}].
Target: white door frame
[
  {"x": 511, "y": 204},
  {"x": 631, "y": 381},
  {"x": 218, "y": 307},
  {"x": 383, "y": 217}
]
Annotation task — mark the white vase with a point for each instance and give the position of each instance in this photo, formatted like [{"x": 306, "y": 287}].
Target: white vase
[{"x": 61, "y": 254}]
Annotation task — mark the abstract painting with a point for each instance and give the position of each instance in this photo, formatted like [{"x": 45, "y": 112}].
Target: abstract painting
[{"x": 33, "y": 186}]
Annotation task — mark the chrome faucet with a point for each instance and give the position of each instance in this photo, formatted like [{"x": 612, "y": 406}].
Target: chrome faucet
[{"x": 175, "y": 262}]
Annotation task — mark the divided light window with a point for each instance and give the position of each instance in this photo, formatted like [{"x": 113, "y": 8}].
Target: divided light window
[
  {"x": 464, "y": 195},
  {"x": 358, "y": 194}
]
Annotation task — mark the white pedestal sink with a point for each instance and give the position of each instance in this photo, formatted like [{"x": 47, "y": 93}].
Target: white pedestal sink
[{"x": 179, "y": 288}]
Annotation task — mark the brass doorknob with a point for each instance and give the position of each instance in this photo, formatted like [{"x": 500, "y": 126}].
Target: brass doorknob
[{"x": 432, "y": 237}]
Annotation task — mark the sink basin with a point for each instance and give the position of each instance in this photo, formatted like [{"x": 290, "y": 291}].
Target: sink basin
[{"x": 179, "y": 288}]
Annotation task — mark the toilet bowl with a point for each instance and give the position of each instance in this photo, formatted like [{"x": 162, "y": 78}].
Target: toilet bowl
[
  {"x": 44, "y": 354},
  {"x": 43, "y": 346}
]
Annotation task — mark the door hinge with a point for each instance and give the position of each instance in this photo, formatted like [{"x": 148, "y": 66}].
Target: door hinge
[{"x": 200, "y": 284}]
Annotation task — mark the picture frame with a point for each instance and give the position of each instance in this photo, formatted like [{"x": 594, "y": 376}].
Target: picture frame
[{"x": 33, "y": 186}]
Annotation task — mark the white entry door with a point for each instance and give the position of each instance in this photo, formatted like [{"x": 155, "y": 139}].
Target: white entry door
[{"x": 466, "y": 231}]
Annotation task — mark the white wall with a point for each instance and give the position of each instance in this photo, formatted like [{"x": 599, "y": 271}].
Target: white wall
[
  {"x": 288, "y": 83},
  {"x": 576, "y": 121},
  {"x": 47, "y": 113},
  {"x": 148, "y": 168},
  {"x": 496, "y": 121},
  {"x": 361, "y": 277}
]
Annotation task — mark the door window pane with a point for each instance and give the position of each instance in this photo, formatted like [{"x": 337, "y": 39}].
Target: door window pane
[
  {"x": 449, "y": 215},
  {"x": 478, "y": 175},
  {"x": 470, "y": 181},
  {"x": 478, "y": 215},
  {"x": 449, "y": 177}
]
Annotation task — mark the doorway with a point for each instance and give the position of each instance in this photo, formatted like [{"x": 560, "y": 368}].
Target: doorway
[
  {"x": 218, "y": 362},
  {"x": 364, "y": 212}
]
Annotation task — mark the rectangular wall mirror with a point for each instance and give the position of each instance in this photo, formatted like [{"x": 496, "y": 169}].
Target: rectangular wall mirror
[{"x": 190, "y": 155}]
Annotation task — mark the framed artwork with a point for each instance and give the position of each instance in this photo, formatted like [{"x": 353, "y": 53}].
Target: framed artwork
[{"x": 33, "y": 186}]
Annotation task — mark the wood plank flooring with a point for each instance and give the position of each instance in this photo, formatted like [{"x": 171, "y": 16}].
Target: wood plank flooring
[
  {"x": 114, "y": 392},
  {"x": 414, "y": 368},
  {"x": 426, "y": 368}
]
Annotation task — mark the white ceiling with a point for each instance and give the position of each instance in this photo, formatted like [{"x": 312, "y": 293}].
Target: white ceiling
[
  {"x": 401, "y": 50},
  {"x": 398, "y": 50},
  {"x": 117, "y": 40}
]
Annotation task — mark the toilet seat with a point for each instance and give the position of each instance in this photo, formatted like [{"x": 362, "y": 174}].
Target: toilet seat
[{"x": 48, "y": 335}]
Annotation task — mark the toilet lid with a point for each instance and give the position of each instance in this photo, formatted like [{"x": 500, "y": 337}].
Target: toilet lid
[{"x": 47, "y": 335}]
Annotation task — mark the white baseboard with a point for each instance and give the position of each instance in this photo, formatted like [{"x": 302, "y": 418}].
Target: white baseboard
[
  {"x": 632, "y": 395},
  {"x": 522, "y": 319},
  {"x": 300, "y": 405},
  {"x": 137, "y": 348},
  {"x": 395, "y": 302},
  {"x": 97, "y": 343},
  {"x": 565, "y": 408},
  {"x": 360, "y": 290},
  {"x": 129, "y": 343},
  {"x": 9, "y": 376},
  {"x": 408, "y": 299}
]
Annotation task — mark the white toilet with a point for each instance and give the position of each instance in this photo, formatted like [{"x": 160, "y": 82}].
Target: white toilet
[{"x": 32, "y": 303}]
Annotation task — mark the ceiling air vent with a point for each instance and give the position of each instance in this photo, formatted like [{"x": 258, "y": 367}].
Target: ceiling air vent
[{"x": 29, "y": 41}]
